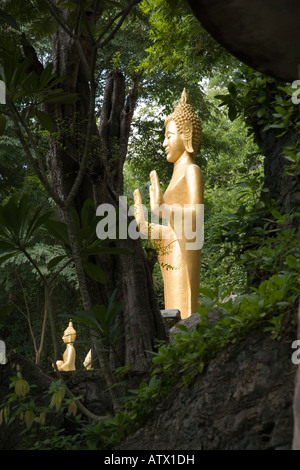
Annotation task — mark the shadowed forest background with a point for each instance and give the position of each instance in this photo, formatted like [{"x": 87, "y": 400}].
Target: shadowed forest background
[{"x": 88, "y": 87}]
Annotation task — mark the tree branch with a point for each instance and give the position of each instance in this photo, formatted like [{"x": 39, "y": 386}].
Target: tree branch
[
  {"x": 121, "y": 14},
  {"x": 37, "y": 164},
  {"x": 87, "y": 24},
  {"x": 42, "y": 340},
  {"x": 59, "y": 20},
  {"x": 89, "y": 133},
  {"x": 59, "y": 271},
  {"x": 28, "y": 313},
  {"x": 74, "y": 36},
  {"x": 80, "y": 406}
]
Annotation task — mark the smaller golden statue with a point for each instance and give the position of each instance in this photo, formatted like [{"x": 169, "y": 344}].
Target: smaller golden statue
[
  {"x": 68, "y": 362},
  {"x": 88, "y": 360}
]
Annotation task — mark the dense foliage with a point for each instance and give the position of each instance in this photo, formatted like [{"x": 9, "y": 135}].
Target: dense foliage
[{"x": 251, "y": 254}]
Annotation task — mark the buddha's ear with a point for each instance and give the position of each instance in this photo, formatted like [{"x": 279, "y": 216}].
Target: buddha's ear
[{"x": 187, "y": 137}]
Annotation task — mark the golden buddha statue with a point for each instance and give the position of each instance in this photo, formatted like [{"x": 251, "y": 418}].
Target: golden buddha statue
[
  {"x": 68, "y": 362},
  {"x": 179, "y": 242},
  {"x": 88, "y": 360}
]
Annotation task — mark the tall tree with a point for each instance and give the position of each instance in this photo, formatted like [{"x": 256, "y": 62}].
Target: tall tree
[{"x": 84, "y": 158}]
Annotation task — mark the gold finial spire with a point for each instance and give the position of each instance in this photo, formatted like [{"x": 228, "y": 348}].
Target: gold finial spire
[{"x": 184, "y": 97}]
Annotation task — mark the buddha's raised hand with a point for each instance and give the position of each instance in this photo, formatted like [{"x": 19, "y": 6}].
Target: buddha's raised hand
[
  {"x": 138, "y": 209},
  {"x": 156, "y": 197}
]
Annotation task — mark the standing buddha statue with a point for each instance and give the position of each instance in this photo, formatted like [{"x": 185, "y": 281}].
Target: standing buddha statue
[{"x": 179, "y": 242}]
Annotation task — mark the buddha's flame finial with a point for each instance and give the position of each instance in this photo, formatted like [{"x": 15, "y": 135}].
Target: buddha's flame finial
[{"x": 184, "y": 97}]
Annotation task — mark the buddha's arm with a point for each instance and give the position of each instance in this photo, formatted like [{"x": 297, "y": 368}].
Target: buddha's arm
[{"x": 139, "y": 214}]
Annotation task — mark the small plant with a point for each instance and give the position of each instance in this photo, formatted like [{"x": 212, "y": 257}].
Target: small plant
[
  {"x": 35, "y": 418},
  {"x": 104, "y": 321},
  {"x": 18, "y": 402}
]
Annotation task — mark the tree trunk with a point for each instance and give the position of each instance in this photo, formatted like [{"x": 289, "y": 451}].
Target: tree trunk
[{"x": 103, "y": 182}]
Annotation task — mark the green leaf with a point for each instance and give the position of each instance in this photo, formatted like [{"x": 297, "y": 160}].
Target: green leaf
[
  {"x": 75, "y": 218},
  {"x": 100, "y": 311},
  {"x": 280, "y": 110},
  {"x": 85, "y": 319},
  {"x": 93, "y": 249},
  {"x": 207, "y": 292},
  {"x": 6, "y": 245},
  {"x": 45, "y": 121},
  {"x": 95, "y": 272},
  {"x": 181, "y": 327},
  {"x": 54, "y": 261},
  {"x": 11, "y": 215},
  {"x": 232, "y": 113},
  {"x": 276, "y": 214},
  {"x": 290, "y": 158},
  {"x": 19, "y": 75},
  {"x": 6, "y": 257},
  {"x": 62, "y": 98},
  {"x": 291, "y": 261},
  {"x": 58, "y": 230},
  {"x": 261, "y": 112},
  {"x": 87, "y": 213},
  {"x": 35, "y": 223}
]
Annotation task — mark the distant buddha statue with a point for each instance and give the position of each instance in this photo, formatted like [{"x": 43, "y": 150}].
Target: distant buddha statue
[
  {"x": 68, "y": 362},
  {"x": 88, "y": 360},
  {"x": 179, "y": 242}
]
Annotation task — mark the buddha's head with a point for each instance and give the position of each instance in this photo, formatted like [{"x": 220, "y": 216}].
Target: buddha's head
[
  {"x": 69, "y": 334},
  {"x": 183, "y": 130}
]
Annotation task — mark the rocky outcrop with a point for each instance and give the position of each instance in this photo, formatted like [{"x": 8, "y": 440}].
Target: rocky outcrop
[{"x": 243, "y": 400}]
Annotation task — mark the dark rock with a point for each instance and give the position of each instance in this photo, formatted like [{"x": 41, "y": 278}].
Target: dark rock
[
  {"x": 189, "y": 322},
  {"x": 242, "y": 401},
  {"x": 192, "y": 320},
  {"x": 170, "y": 317}
]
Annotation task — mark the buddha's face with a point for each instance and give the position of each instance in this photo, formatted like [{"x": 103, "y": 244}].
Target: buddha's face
[
  {"x": 173, "y": 143},
  {"x": 69, "y": 338}
]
